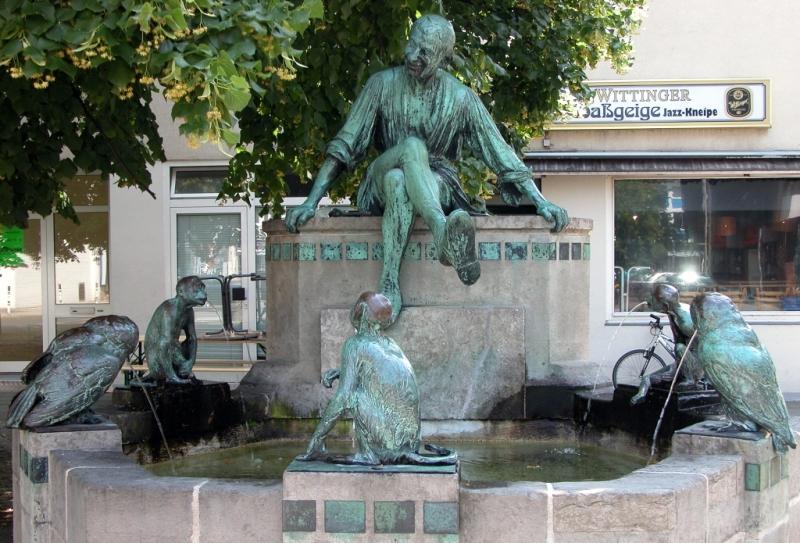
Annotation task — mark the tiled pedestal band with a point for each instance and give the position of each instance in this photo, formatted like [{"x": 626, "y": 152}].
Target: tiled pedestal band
[
  {"x": 370, "y": 507},
  {"x": 532, "y": 279}
]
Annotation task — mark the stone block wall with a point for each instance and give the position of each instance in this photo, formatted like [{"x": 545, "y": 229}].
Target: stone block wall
[{"x": 708, "y": 491}]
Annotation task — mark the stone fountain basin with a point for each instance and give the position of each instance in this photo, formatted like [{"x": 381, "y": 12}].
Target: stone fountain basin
[{"x": 709, "y": 489}]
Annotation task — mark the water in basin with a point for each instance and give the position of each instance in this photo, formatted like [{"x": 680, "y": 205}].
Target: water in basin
[{"x": 481, "y": 461}]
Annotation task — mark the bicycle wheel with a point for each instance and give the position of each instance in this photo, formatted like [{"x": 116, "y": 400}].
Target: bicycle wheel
[{"x": 633, "y": 365}]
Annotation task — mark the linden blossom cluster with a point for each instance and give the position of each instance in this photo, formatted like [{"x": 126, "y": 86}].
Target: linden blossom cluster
[{"x": 643, "y": 113}]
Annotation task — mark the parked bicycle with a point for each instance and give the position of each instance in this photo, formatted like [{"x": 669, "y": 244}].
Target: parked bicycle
[{"x": 632, "y": 366}]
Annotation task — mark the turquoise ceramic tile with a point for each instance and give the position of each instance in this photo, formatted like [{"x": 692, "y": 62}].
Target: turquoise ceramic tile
[
  {"x": 394, "y": 517},
  {"x": 563, "y": 251},
  {"x": 541, "y": 251},
  {"x": 577, "y": 251},
  {"x": 299, "y": 516},
  {"x": 330, "y": 251},
  {"x": 345, "y": 517},
  {"x": 306, "y": 252},
  {"x": 440, "y": 517},
  {"x": 286, "y": 251},
  {"x": 755, "y": 477},
  {"x": 516, "y": 251},
  {"x": 413, "y": 251},
  {"x": 489, "y": 250},
  {"x": 356, "y": 250},
  {"x": 377, "y": 250},
  {"x": 430, "y": 251}
]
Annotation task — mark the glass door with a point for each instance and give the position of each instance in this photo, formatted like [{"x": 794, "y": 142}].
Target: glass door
[
  {"x": 208, "y": 242},
  {"x": 79, "y": 278}
]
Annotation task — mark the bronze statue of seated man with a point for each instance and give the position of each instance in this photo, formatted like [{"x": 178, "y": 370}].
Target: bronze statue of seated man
[
  {"x": 378, "y": 389},
  {"x": 419, "y": 117}
]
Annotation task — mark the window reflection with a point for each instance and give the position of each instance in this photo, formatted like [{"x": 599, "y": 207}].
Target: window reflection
[
  {"x": 211, "y": 244},
  {"x": 21, "y": 296},
  {"x": 81, "y": 259},
  {"x": 735, "y": 236}
]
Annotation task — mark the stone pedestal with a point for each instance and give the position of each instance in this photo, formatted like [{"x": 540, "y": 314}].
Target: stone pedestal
[
  {"x": 360, "y": 504},
  {"x": 31, "y": 474},
  {"x": 526, "y": 317},
  {"x": 766, "y": 477}
]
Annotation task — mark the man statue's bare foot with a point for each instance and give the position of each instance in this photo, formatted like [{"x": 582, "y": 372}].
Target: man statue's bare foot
[
  {"x": 459, "y": 246},
  {"x": 391, "y": 290}
]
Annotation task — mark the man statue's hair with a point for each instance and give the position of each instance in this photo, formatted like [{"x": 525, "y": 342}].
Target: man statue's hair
[{"x": 440, "y": 28}]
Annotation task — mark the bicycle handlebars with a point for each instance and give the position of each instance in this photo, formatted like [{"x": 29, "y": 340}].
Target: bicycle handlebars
[{"x": 656, "y": 321}]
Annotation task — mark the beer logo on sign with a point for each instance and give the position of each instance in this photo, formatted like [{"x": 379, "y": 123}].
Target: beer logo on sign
[{"x": 738, "y": 102}]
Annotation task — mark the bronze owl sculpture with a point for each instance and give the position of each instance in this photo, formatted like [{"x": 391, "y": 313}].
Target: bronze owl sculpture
[
  {"x": 75, "y": 370},
  {"x": 740, "y": 369}
]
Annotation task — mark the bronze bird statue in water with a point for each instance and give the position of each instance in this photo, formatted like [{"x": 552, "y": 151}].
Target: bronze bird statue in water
[
  {"x": 75, "y": 370},
  {"x": 740, "y": 369}
]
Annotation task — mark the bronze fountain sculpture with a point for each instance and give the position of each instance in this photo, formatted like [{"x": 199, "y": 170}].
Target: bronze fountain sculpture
[
  {"x": 76, "y": 369},
  {"x": 419, "y": 117}
]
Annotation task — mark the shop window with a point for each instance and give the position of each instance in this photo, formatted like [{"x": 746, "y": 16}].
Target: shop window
[{"x": 737, "y": 236}]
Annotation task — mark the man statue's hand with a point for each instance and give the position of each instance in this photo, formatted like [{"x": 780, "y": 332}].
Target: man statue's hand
[
  {"x": 298, "y": 216},
  {"x": 554, "y": 214}
]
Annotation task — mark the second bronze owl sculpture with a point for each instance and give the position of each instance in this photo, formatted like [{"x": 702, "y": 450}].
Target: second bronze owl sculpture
[{"x": 740, "y": 369}]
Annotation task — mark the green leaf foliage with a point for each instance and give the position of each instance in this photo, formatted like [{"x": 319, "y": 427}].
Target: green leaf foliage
[
  {"x": 77, "y": 78},
  {"x": 520, "y": 56}
]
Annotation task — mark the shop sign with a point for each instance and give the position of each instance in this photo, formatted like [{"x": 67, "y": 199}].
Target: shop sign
[{"x": 672, "y": 104}]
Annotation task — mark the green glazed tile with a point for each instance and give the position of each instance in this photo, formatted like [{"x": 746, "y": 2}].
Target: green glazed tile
[
  {"x": 541, "y": 251},
  {"x": 563, "y": 251},
  {"x": 394, "y": 517},
  {"x": 440, "y": 517},
  {"x": 413, "y": 251},
  {"x": 775, "y": 470},
  {"x": 330, "y": 251},
  {"x": 306, "y": 251},
  {"x": 377, "y": 250},
  {"x": 345, "y": 516},
  {"x": 430, "y": 251},
  {"x": 356, "y": 251},
  {"x": 755, "y": 477},
  {"x": 489, "y": 250},
  {"x": 286, "y": 251},
  {"x": 516, "y": 251},
  {"x": 38, "y": 470},
  {"x": 577, "y": 251},
  {"x": 299, "y": 516}
]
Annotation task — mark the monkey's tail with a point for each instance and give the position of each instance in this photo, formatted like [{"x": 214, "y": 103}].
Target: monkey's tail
[
  {"x": 21, "y": 406},
  {"x": 441, "y": 457}
]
